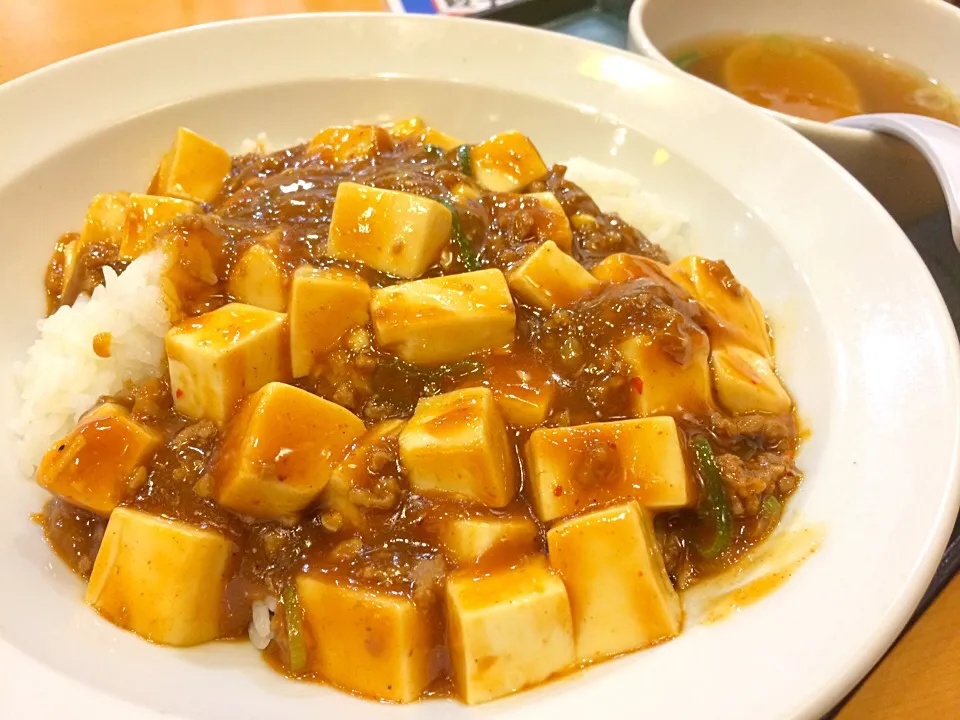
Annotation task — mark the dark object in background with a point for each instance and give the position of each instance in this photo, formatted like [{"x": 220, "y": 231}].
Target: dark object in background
[{"x": 933, "y": 241}]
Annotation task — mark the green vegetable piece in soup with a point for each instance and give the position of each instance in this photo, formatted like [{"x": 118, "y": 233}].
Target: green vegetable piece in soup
[
  {"x": 686, "y": 60},
  {"x": 780, "y": 45}
]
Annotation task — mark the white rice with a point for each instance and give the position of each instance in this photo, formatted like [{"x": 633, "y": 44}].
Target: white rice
[
  {"x": 261, "y": 626},
  {"x": 62, "y": 377},
  {"x": 619, "y": 192},
  {"x": 260, "y": 145}
]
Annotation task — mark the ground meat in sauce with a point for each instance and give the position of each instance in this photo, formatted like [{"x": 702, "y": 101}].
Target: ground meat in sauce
[
  {"x": 288, "y": 195},
  {"x": 749, "y": 480},
  {"x": 769, "y": 431},
  {"x": 73, "y": 533},
  {"x": 579, "y": 343}
]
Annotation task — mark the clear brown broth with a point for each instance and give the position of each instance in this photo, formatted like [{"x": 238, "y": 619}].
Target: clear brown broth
[{"x": 884, "y": 84}]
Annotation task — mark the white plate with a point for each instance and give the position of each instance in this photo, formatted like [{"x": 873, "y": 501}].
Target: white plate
[{"x": 865, "y": 343}]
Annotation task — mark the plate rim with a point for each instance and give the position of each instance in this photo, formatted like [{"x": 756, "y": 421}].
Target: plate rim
[{"x": 937, "y": 536}]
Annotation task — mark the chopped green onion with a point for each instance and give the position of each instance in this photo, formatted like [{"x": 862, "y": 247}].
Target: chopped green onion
[
  {"x": 295, "y": 640},
  {"x": 770, "y": 509},
  {"x": 467, "y": 256},
  {"x": 767, "y": 517},
  {"x": 687, "y": 59},
  {"x": 714, "y": 506},
  {"x": 464, "y": 160}
]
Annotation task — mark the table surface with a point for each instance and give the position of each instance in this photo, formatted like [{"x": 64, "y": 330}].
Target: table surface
[{"x": 917, "y": 679}]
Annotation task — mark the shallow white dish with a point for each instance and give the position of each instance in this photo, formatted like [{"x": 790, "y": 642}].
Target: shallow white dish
[{"x": 864, "y": 342}]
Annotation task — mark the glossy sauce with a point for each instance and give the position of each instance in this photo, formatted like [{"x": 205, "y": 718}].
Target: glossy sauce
[
  {"x": 814, "y": 78},
  {"x": 758, "y": 574},
  {"x": 286, "y": 199}
]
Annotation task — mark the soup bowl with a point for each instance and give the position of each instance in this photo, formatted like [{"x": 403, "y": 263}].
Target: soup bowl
[
  {"x": 863, "y": 341},
  {"x": 921, "y": 33}
]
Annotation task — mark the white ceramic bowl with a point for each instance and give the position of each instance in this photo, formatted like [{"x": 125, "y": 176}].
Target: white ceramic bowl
[
  {"x": 923, "y": 33},
  {"x": 864, "y": 342}
]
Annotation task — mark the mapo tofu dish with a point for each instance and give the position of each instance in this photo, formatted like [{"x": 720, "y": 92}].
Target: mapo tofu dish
[{"x": 422, "y": 418}]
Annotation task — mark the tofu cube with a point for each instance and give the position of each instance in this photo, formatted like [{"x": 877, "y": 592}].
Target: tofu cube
[
  {"x": 101, "y": 462},
  {"x": 410, "y": 127},
  {"x": 622, "y": 267},
  {"x": 465, "y": 191},
  {"x": 355, "y": 471},
  {"x": 69, "y": 277},
  {"x": 260, "y": 279},
  {"x": 160, "y": 578},
  {"x": 218, "y": 358},
  {"x": 105, "y": 220},
  {"x": 325, "y": 304},
  {"x": 372, "y": 643},
  {"x": 549, "y": 278},
  {"x": 737, "y": 312},
  {"x": 146, "y": 214},
  {"x": 195, "y": 264},
  {"x": 279, "y": 451},
  {"x": 665, "y": 381},
  {"x": 394, "y": 232},
  {"x": 416, "y": 129},
  {"x": 474, "y": 538},
  {"x": 747, "y": 383},
  {"x": 523, "y": 389},
  {"x": 456, "y": 445},
  {"x": 507, "y": 162},
  {"x": 551, "y": 220},
  {"x": 194, "y": 168},
  {"x": 507, "y": 630},
  {"x": 573, "y": 468},
  {"x": 620, "y": 595},
  {"x": 444, "y": 319},
  {"x": 338, "y": 145}
]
